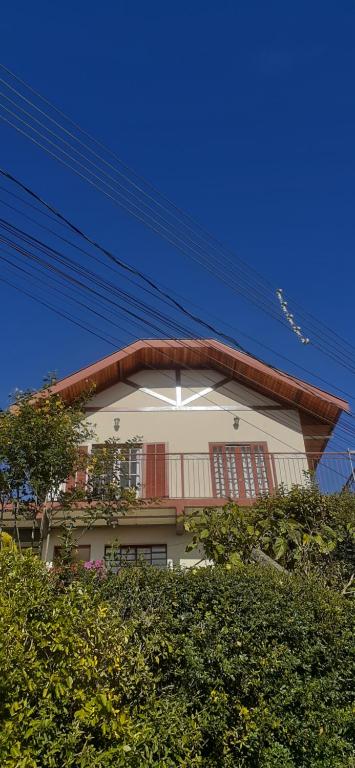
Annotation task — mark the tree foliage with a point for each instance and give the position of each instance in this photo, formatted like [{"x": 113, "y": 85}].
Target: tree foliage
[
  {"x": 41, "y": 446},
  {"x": 39, "y": 441},
  {"x": 302, "y": 529},
  {"x": 213, "y": 667}
]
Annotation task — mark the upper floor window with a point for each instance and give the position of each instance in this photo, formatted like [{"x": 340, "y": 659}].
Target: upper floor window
[
  {"x": 240, "y": 471},
  {"x": 119, "y": 466}
]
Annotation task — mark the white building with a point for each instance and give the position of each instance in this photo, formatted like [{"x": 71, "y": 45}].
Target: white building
[{"x": 212, "y": 424}]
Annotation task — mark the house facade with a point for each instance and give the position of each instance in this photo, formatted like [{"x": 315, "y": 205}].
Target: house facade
[{"x": 205, "y": 424}]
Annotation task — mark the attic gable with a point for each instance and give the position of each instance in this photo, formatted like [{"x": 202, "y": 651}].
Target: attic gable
[{"x": 281, "y": 387}]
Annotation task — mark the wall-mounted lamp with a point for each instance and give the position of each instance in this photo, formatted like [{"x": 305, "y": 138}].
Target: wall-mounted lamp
[
  {"x": 116, "y": 424},
  {"x": 236, "y": 422}
]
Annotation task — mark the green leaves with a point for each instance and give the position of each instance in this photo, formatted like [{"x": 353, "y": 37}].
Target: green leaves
[
  {"x": 223, "y": 532},
  {"x": 222, "y": 667},
  {"x": 301, "y": 529},
  {"x": 279, "y": 547},
  {"x": 41, "y": 446}
]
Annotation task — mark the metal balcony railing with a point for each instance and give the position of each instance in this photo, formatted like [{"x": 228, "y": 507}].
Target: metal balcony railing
[{"x": 238, "y": 472}]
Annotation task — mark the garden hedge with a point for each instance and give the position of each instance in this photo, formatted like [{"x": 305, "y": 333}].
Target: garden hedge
[{"x": 215, "y": 667}]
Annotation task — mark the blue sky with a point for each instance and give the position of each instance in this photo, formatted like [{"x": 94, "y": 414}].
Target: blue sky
[{"x": 242, "y": 113}]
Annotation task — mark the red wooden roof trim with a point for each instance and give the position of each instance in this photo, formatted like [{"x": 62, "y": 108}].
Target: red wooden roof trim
[{"x": 250, "y": 371}]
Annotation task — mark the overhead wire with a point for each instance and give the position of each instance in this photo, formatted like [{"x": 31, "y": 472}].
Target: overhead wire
[
  {"x": 57, "y": 311},
  {"x": 69, "y": 292},
  {"x": 163, "y": 293},
  {"x": 334, "y": 350},
  {"x": 116, "y": 170},
  {"x": 184, "y": 343},
  {"x": 153, "y": 193},
  {"x": 38, "y": 242},
  {"x": 48, "y": 117},
  {"x": 179, "y": 341},
  {"x": 173, "y": 238},
  {"x": 89, "y": 329}
]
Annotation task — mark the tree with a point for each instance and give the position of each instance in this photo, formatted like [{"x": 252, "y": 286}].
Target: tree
[
  {"x": 301, "y": 529},
  {"x": 41, "y": 440}
]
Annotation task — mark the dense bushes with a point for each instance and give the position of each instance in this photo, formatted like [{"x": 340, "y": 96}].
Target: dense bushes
[
  {"x": 216, "y": 667},
  {"x": 301, "y": 528}
]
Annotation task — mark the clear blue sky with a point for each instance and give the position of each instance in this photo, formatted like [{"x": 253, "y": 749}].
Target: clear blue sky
[{"x": 241, "y": 112}]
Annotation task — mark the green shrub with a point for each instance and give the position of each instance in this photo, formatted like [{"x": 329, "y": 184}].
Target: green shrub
[
  {"x": 216, "y": 667},
  {"x": 303, "y": 529}
]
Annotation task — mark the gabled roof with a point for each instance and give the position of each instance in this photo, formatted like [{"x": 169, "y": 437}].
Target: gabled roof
[{"x": 316, "y": 404}]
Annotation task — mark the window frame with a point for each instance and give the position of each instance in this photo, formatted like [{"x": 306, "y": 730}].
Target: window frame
[
  {"x": 139, "y": 449},
  {"x": 240, "y": 474},
  {"x": 58, "y": 547},
  {"x": 136, "y": 562}
]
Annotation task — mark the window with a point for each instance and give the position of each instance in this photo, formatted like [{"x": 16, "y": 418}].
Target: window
[
  {"x": 153, "y": 554},
  {"x": 28, "y": 538},
  {"x": 120, "y": 466},
  {"x": 79, "y": 554},
  {"x": 240, "y": 471}
]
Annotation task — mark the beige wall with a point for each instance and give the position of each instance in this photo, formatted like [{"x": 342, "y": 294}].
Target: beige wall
[
  {"x": 100, "y": 537},
  {"x": 192, "y": 431}
]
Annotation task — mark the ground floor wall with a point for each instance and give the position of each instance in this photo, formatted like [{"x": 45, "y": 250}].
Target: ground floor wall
[{"x": 126, "y": 535}]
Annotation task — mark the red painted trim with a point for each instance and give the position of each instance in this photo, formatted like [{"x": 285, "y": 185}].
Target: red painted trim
[
  {"x": 269, "y": 474},
  {"x": 240, "y": 474},
  {"x": 81, "y": 475},
  {"x": 243, "y": 365},
  {"x": 155, "y": 471},
  {"x": 70, "y": 483},
  {"x": 239, "y": 468}
]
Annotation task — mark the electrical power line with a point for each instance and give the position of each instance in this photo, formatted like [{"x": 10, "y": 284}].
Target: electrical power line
[
  {"x": 38, "y": 243},
  {"x": 147, "y": 322},
  {"x": 162, "y": 202},
  {"x": 163, "y": 293},
  {"x": 333, "y": 351}
]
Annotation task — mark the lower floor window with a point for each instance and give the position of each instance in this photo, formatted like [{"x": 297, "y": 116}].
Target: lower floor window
[
  {"x": 153, "y": 554},
  {"x": 25, "y": 537},
  {"x": 79, "y": 554}
]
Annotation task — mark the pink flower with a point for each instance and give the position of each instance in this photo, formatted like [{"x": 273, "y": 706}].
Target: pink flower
[{"x": 95, "y": 565}]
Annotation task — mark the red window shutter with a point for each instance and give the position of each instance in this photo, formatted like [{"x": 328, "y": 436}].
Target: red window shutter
[
  {"x": 156, "y": 477},
  {"x": 81, "y": 473},
  {"x": 70, "y": 483}
]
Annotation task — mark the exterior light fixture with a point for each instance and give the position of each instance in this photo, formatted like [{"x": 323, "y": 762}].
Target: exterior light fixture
[
  {"x": 116, "y": 424},
  {"x": 236, "y": 422}
]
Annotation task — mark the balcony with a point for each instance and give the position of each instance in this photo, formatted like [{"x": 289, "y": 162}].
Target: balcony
[{"x": 238, "y": 472}]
